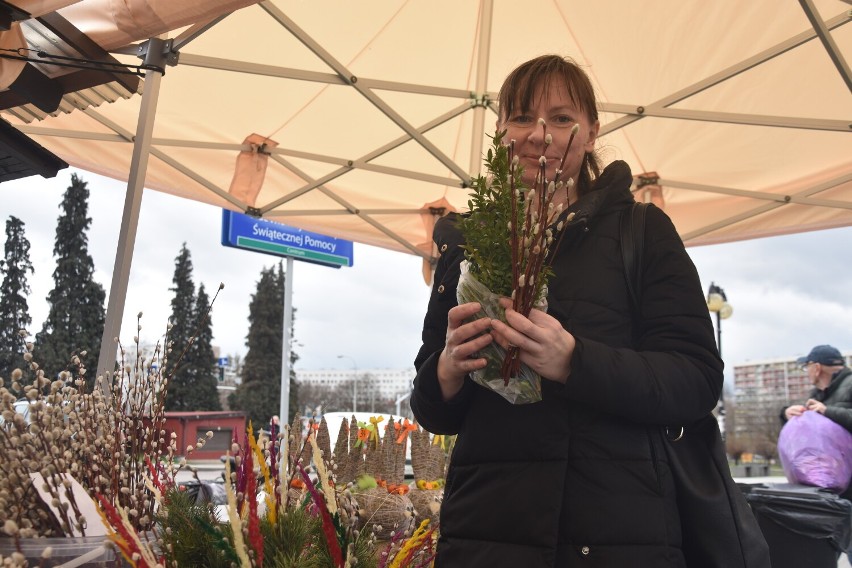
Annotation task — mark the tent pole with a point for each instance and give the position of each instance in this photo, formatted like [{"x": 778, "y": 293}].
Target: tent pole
[
  {"x": 284, "y": 402},
  {"x": 132, "y": 205},
  {"x": 827, "y": 41},
  {"x": 483, "y": 53}
]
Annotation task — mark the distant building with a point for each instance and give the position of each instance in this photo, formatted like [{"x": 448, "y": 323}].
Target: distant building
[
  {"x": 378, "y": 384},
  {"x": 763, "y": 388}
]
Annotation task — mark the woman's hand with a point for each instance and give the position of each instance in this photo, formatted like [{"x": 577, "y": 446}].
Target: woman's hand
[
  {"x": 795, "y": 410},
  {"x": 464, "y": 340},
  {"x": 544, "y": 344}
]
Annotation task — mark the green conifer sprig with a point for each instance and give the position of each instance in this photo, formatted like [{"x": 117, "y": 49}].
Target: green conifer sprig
[
  {"x": 498, "y": 202},
  {"x": 486, "y": 229}
]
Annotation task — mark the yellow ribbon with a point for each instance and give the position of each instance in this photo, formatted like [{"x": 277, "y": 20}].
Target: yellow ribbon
[
  {"x": 438, "y": 440},
  {"x": 374, "y": 422}
]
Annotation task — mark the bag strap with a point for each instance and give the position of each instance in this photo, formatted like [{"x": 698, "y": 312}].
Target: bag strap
[{"x": 632, "y": 234}]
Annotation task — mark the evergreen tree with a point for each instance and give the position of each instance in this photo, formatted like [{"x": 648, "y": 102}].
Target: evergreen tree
[
  {"x": 182, "y": 323},
  {"x": 14, "y": 311},
  {"x": 201, "y": 372},
  {"x": 260, "y": 391},
  {"x": 75, "y": 321}
]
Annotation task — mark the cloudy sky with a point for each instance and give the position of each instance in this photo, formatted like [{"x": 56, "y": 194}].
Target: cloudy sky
[{"x": 789, "y": 293}]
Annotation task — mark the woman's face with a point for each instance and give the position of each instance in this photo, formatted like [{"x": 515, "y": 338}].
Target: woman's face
[{"x": 560, "y": 115}]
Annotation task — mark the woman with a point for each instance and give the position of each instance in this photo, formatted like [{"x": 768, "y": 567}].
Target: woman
[{"x": 570, "y": 480}]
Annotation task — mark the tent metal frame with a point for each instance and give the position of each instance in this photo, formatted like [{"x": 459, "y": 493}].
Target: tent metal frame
[{"x": 477, "y": 102}]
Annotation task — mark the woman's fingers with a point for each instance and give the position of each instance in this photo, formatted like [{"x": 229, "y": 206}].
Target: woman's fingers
[
  {"x": 525, "y": 332},
  {"x": 544, "y": 344},
  {"x": 464, "y": 340},
  {"x": 458, "y": 314}
]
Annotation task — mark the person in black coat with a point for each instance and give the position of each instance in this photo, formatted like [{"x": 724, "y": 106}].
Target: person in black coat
[
  {"x": 575, "y": 479},
  {"x": 832, "y": 392}
]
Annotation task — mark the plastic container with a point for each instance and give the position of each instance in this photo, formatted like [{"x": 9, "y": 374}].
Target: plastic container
[
  {"x": 68, "y": 552},
  {"x": 803, "y": 526}
]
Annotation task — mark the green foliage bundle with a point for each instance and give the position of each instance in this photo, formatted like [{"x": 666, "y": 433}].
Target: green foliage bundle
[
  {"x": 492, "y": 211},
  {"x": 508, "y": 235},
  {"x": 507, "y": 232}
]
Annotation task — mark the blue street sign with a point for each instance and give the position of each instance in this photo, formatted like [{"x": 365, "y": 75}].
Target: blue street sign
[
  {"x": 260, "y": 235},
  {"x": 223, "y": 361}
]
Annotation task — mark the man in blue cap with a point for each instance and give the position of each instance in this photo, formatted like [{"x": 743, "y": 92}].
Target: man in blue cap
[
  {"x": 831, "y": 395},
  {"x": 832, "y": 380}
]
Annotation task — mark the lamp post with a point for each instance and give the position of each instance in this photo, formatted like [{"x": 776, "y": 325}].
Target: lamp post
[
  {"x": 354, "y": 381},
  {"x": 717, "y": 302}
]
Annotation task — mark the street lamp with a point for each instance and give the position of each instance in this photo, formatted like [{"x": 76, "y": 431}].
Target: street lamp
[
  {"x": 354, "y": 381},
  {"x": 717, "y": 302}
]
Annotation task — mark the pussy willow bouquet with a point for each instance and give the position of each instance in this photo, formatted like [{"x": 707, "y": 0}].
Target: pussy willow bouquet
[{"x": 509, "y": 233}]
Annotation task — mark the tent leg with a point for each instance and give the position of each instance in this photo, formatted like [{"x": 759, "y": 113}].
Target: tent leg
[
  {"x": 484, "y": 51},
  {"x": 284, "y": 402},
  {"x": 130, "y": 218}
]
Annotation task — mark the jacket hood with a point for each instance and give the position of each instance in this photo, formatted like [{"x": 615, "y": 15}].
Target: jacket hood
[{"x": 611, "y": 192}]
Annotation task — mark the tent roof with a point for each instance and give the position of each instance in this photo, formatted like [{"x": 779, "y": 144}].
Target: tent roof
[{"x": 742, "y": 111}]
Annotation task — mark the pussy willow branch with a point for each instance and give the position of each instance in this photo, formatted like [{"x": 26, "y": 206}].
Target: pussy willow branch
[
  {"x": 514, "y": 219},
  {"x": 532, "y": 246}
]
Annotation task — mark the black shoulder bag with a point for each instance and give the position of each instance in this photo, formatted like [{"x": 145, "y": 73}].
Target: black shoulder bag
[{"x": 718, "y": 528}]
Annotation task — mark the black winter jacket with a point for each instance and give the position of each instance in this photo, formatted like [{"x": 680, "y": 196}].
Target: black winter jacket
[
  {"x": 837, "y": 398},
  {"x": 575, "y": 480}
]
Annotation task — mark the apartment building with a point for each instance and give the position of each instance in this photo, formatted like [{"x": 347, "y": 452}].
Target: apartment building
[
  {"x": 763, "y": 388},
  {"x": 385, "y": 384}
]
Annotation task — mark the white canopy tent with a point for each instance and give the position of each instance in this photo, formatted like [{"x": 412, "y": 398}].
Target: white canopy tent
[{"x": 735, "y": 117}]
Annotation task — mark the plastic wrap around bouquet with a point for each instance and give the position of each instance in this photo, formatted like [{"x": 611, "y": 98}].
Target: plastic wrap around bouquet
[
  {"x": 525, "y": 387},
  {"x": 816, "y": 451}
]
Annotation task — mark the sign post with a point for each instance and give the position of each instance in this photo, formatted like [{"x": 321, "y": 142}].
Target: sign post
[{"x": 260, "y": 235}]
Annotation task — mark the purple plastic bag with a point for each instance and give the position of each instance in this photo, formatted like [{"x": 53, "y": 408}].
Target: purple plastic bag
[{"x": 816, "y": 451}]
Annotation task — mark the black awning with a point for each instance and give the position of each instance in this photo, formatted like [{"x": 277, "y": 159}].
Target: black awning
[{"x": 21, "y": 156}]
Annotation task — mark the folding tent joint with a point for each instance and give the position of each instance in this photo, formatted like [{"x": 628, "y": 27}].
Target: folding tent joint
[
  {"x": 640, "y": 110},
  {"x": 253, "y": 212},
  {"x": 648, "y": 178},
  {"x": 481, "y": 101},
  {"x": 439, "y": 211},
  {"x": 156, "y": 53}
]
